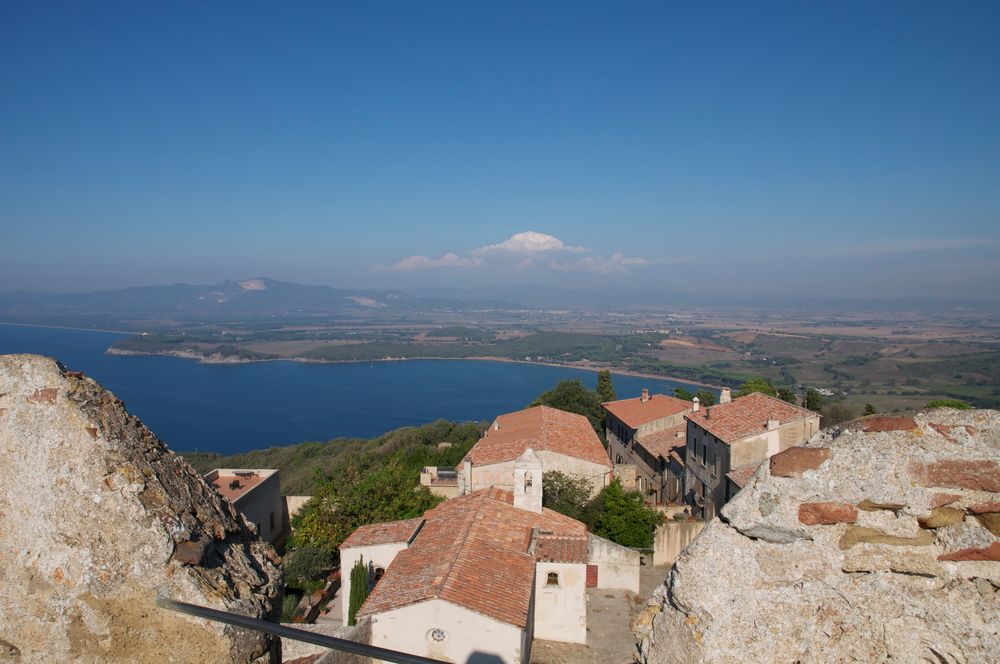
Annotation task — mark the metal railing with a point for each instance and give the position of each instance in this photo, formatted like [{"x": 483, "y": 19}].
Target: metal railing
[{"x": 275, "y": 629}]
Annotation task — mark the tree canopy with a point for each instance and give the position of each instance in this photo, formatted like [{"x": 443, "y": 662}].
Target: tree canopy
[
  {"x": 361, "y": 496},
  {"x": 948, "y": 403},
  {"x": 681, "y": 393},
  {"x": 573, "y": 396},
  {"x": 814, "y": 400},
  {"x": 605, "y": 390},
  {"x": 624, "y": 518},
  {"x": 705, "y": 398},
  {"x": 566, "y": 494},
  {"x": 757, "y": 384},
  {"x": 786, "y": 395}
]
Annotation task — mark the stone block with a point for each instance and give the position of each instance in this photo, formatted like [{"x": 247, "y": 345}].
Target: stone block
[
  {"x": 978, "y": 474},
  {"x": 990, "y": 553},
  {"x": 796, "y": 460},
  {"x": 861, "y": 535},
  {"x": 941, "y": 517},
  {"x": 825, "y": 514}
]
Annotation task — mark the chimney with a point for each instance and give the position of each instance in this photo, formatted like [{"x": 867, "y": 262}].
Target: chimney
[
  {"x": 773, "y": 424},
  {"x": 696, "y": 406},
  {"x": 496, "y": 424},
  {"x": 708, "y": 413},
  {"x": 726, "y": 395},
  {"x": 645, "y": 395}
]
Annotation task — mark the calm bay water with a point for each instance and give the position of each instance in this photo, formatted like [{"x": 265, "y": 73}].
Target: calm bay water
[{"x": 232, "y": 408}]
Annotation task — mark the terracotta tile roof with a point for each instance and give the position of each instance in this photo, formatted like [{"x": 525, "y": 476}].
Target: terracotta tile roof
[
  {"x": 636, "y": 412},
  {"x": 740, "y": 476},
  {"x": 746, "y": 416},
  {"x": 540, "y": 428},
  {"x": 383, "y": 533},
  {"x": 662, "y": 443},
  {"x": 560, "y": 549},
  {"x": 473, "y": 551}
]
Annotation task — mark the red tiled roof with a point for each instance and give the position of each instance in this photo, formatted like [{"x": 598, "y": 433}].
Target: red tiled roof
[
  {"x": 560, "y": 549},
  {"x": 383, "y": 533},
  {"x": 662, "y": 443},
  {"x": 473, "y": 551},
  {"x": 746, "y": 416},
  {"x": 636, "y": 412},
  {"x": 740, "y": 476},
  {"x": 540, "y": 428}
]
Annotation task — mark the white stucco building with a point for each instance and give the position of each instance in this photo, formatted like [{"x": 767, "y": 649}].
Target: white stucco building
[
  {"x": 256, "y": 493},
  {"x": 562, "y": 441},
  {"x": 481, "y": 575}
]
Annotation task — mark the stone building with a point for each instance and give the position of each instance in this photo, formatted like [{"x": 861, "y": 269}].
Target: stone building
[
  {"x": 256, "y": 493},
  {"x": 726, "y": 443},
  {"x": 480, "y": 576},
  {"x": 649, "y": 434},
  {"x": 563, "y": 441}
]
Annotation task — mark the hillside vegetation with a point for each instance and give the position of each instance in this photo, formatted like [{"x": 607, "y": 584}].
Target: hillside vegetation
[{"x": 306, "y": 466}]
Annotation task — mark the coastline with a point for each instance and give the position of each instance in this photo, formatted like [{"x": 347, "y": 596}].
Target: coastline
[
  {"x": 187, "y": 355},
  {"x": 66, "y": 327}
]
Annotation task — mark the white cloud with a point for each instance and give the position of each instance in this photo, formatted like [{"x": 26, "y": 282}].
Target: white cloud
[
  {"x": 615, "y": 263},
  {"x": 528, "y": 242},
  {"x": 524, "y": 251},
  {"x": 425, "y": 263}
]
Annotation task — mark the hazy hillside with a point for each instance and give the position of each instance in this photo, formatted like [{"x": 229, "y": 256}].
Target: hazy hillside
[{"x": 305, "y": 465}]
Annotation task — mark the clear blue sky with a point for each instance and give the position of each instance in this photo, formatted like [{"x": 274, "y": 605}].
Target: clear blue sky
[{"x": 844, "y": 148}]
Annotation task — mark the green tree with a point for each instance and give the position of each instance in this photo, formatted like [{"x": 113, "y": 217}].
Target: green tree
[
  {"x": 837, "y": 413},
  {"x": 869, "y": 409},
  {"x": 359, "y": 590},
  {"x": 361, "y": 496},
  {"x": 757, "y": 384},
  {"x": 786, "y": 395},
  {"x": 565, "y": 494},
  {"x": 705, "y": 398},
  {"x": 624, "y": 519},
  {"x": 681, "y": 393},
  {"x": 948, "y": 403},
  {"x": 814, "y": 400},
  {"x": 605, "y": 389},
  {"x": 572, "y": 396},
  {"x": 306, "y": 566}
]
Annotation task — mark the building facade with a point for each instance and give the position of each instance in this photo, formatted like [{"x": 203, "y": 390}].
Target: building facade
[
  {"x": 256, "y": 493},
  {"x": 563, "y": 441},
  {"x": 648, "y": 433},
  {"x": 480, "y": 576},
  {"x": 726, "y": 443}
]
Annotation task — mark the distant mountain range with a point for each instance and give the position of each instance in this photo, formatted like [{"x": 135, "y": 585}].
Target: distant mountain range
[
  {"x": 231, "y": 300},
  {"x": 268, "y": 300}
]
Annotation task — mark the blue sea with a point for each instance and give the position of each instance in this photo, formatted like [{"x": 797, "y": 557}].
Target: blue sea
[{"x": 231, "y": 408}]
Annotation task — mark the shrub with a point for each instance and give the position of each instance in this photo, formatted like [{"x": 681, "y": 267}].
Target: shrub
[{"x": 948, "y": 403}]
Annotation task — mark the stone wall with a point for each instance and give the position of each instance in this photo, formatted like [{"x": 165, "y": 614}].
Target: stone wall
[
  {"x": 671, "y": 538},
  {"x": 98, "y": 516},
  {"x": 878, "y": 541}
]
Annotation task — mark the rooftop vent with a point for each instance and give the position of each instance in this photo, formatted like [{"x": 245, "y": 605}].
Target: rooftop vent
[
  {"x": 645, "y": 395},
  {"x": 235, "y": 484}
]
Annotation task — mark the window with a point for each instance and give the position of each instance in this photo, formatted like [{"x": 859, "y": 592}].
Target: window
[
  {"x": 272, "y": 520},
  {"x": 552, "y": 579}
]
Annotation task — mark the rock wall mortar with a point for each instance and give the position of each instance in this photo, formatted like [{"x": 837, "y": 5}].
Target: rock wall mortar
[{"x": 876, "y": 541}]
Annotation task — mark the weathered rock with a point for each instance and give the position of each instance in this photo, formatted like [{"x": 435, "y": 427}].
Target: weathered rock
[
  {"x": 98, "y": 516},
  {"x": 990, "y": 521},
  {"x": 819, "y": 514},
  {"x": 796, "y": 460},
  {"x": 976, "y": 474},
  {"x": 896, "y": 592},
  {"x": 880, "y": 423},
  {"x": 991, "y": 552},
  {"x": 861, "y": 535},
  {"x": 941, "y": 517}
]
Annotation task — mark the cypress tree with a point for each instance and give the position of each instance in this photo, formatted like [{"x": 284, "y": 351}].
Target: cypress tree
[{"x": 359, "y": 590}]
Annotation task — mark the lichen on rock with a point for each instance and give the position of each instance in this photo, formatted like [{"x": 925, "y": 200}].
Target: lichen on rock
[
  {"x": 880, "y": 545},
  {"x": 98, "y": 516}
]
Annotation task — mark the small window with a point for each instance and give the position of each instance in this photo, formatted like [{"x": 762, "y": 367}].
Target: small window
[
  {"x": 552, "y": 579},
  {"x": 272, "y": 520}
]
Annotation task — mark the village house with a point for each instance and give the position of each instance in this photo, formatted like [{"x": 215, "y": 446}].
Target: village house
[
  {"x": 648, "y": 433},
  {"x": 726, "y": 443},
  {"x": 480, "y": 576},
  {"x": 256, "y": 493},
  {"x": 563, "y": 441}
]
